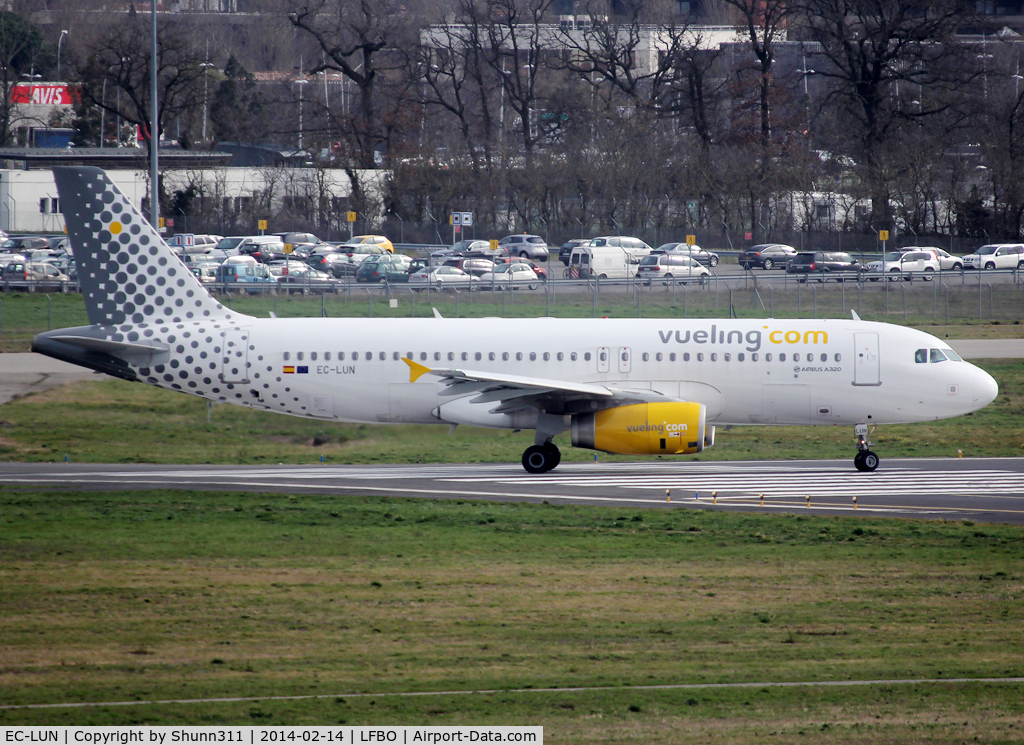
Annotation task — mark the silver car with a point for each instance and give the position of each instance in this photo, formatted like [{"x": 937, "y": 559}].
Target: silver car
[{"x": 525, "y": 245}]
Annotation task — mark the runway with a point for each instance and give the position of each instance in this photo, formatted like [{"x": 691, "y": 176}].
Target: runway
[{"x": 979, "y": 489}]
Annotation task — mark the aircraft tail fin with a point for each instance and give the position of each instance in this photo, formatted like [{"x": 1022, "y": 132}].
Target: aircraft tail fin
[{"x": 127, "y": 273}]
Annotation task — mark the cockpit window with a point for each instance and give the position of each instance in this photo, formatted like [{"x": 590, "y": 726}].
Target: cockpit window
[
  {"x": 952, "y": 355},
  {"x": 936, "y": 355},
  {"x": 921, "y": 355}
]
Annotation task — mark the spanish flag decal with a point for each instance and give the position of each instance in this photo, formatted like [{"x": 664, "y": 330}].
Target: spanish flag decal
[{"x": 289, "y": 369}]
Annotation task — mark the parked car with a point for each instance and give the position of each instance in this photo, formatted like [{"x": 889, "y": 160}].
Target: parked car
[
  {"x": 299, "y": 240},
  {"x": 371, "y": 240},
  {"x": 442, "y": 278},
  {"x": 537, "y": 269},
  {"x": 623, "y": 241},
  {"x": 263, "y": 252},
  {"x": 513, "y": 276},
  {"x": 309, "y": 281},
  {"x": 194, "y": 242},
  {"x": 45, "y": 277},
  {"x": 471, "y": 265},
  {"x": 384, "y": 268},
  {"x": 996, "y": 256},
  {"x": 897, "y": 265},
  {"x": 460, "y": 248},
  {"x": 825, "y": 265},
  {"x": 206, "y": 272},
  {"x": 565, "y": 250},
  {"x": 707, "y": 258},
  {"x": 674, "y": 266},
  {"x": 60, "y": 245},
  {"x": 336, "y": 264},
  {"x": 525, "y": 245},
  {"x": 946, "y": 260},
  {"x": 279, "y": 269},
  {"x": 766, "y": 256},
  {"x": 19, "y": 243},
  {"x": 253, "y": 277}
]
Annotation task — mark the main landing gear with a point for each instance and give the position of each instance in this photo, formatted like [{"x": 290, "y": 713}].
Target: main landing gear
[
  {"x": 865, "y": 460},
  {"x": 541, "y": 458}
]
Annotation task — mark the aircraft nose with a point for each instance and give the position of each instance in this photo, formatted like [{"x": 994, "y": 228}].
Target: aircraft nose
[{"x": 984, "y": 389}]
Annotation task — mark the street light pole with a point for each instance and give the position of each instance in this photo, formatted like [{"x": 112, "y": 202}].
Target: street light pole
[
  {"x": 59, "y": 42},
  {"x": 154, "y": 131}
]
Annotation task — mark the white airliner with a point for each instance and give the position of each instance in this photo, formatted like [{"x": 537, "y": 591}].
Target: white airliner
[{"x": 648, "y": 387}]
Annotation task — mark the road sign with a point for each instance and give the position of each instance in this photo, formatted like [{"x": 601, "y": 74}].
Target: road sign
[
  {"x": 261, "y": 224},
  {"x": 494, "y": 244},
  {"x": 467, "y": 219},
  {"x": 351, "y": 216},
  {"x": 691, "y": 240},
  {"x": 883, "y": 235},
  {"x": 456, "y": 218}
]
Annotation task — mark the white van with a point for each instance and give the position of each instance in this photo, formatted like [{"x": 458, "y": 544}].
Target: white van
[{"x": 606, "y": 262}]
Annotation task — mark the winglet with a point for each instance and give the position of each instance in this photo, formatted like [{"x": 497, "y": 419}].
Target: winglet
[
  {"x": 416, "y": 370},
  {"x": 854, "y": 314},
  {"x": 437, "y": 313}
]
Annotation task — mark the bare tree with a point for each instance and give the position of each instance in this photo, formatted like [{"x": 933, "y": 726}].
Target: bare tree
[
  {"x": 115, "y": 75},
  {"x": 868, "y": 49}
]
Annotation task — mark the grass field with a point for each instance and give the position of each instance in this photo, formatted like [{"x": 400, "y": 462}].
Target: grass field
[{"x": 166, "y": 595}]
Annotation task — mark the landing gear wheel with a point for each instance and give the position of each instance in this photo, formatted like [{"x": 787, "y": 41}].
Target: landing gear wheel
[
  {"x": 555, "y": 453},
  {"x": 865, "y": 461},
  {"x": 540, "y": 458}
]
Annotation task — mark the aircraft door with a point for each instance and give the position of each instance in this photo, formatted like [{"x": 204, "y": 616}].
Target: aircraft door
[
  {"x": 603, "y": 363},
  {"x": 624, "y": 359},
  {"x": 234, "y": 357},
  {"x": 865, "y": 359}
]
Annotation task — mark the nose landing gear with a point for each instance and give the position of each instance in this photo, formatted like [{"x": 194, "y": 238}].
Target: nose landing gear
[{"x": 865, "y": 460}]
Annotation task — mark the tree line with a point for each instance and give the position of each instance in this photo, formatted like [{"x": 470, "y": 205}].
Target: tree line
[{"x": 815, "y": 116}]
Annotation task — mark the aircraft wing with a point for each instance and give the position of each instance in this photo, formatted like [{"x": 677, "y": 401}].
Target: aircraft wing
[{"x": 513, "y": 392}]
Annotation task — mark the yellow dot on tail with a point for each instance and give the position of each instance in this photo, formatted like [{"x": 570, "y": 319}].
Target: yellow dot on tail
[{"x": 115, "y": 227}]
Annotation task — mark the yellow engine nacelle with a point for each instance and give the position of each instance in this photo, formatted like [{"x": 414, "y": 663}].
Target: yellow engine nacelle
[{"x": 669, "y": 428}]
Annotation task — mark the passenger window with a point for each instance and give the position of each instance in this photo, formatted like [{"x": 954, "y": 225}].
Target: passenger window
[
  {"x": 451, "y": 356},
  {"x": 478, "y": 356},
  {"x": 423, "y": 356},
  {"x": 586, "y": 356},
  {"x": 547, "y": 356},
  {"x": 838, "y": 357},
  {"x": 824, "y": 357},
  {"x": 383, "y": 356},
  {"x": 603, "y": 356},
  {"x": 796, "y": 356},
  {"x": 739, "y": 357},
  {"x": 782, "y": 357},
  {"x": 714, "y": 357},
  {"x": 686, "y": 357},
  {"x": 700, "y": 356},
  {"x": 491, "y": 356},
  {"x": 768, "y": 357},
  {"x": 355, "y": 356},
  {"x": 921, "y": 355},
  {"x": 561, "y": 356},
  {"x": 519, "y": 356},
  {"x": 533, "y": 356},
  {"x": 396, "y": 356},
  {"x": 672, "y": 357},
  {"x": 312, "y": 356},
  {"x": 341, "y": 356},
  {"x": 936, "y": 355},
  {"x": 753, "y": 357},
  {"x": 726, "y": 356},
  {"x": 465, "y": 356},
  {"x": 504, "y": 356},
  {"x": 369, "y": 356},
  {"x": 658, "y": 357},
  {"x": 437, "y": 356},
  {"x": 572, "y": 356},
  {"x": 287, "y": 356},
  {"x": 646, "y": 356},
  {"x": 299, "y": 356}
]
